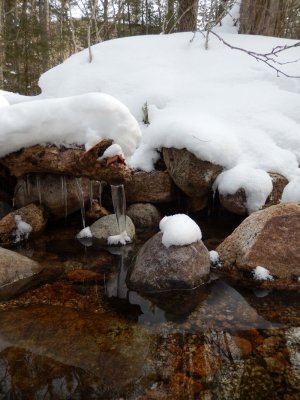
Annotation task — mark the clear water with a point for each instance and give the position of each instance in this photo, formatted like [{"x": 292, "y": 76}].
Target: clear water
[{"x": 95, "y": 339}]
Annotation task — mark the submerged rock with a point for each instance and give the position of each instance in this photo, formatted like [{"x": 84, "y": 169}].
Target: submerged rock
[
  {"x": 270, "y": 239},
  {"x": 159, "y": 268},
  {"x": 18, "y": 224},
  {"x": 108, "y": 226},
  {"x": 193, "y": 176}
]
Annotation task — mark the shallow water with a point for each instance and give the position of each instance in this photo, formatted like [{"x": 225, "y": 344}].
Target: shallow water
[{"x": 83, "y": 338}]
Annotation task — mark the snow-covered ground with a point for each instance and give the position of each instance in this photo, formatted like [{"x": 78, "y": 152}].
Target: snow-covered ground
[{"x": 220, "y": 104}]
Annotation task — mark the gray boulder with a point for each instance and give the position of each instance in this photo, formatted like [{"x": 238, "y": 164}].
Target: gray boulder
[
  {"x": 108, "y": 226},
  {"x": 145, "y": 216},
  {"x": 158, "y": 268}
]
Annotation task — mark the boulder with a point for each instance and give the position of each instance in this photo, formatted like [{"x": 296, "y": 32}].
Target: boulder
[
  {"x": 108, "y": 226},
  {"x": 270, "y": 239},
  {"x": 149, "y": 187},
  {"x": 145, "y": 216},
  {"x": 193, "y": 176},
  {"x": 15, "y": 272},
  {"x": 32, "y": 214},
  {"x": 158, "y": 268},
  {"x": 196, "y": 204}
]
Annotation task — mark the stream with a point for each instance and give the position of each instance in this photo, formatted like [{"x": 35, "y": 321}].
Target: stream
[{"x": 87, "y": 336}]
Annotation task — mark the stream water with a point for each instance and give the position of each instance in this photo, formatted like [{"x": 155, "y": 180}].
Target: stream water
[{"x": 86, "y": 336}]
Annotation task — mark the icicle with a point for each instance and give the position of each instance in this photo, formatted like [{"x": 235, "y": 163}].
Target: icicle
[
  {"x": 64, "y": 193},
  {"x": 91, "y": 192},
  {"x": 38, "y": 186},
  {"x": 81, "y": 200},
  {"x": 119, "y": 203},
  {"x": 28, "y": 187},
  {"x": 100, "y": 183}
]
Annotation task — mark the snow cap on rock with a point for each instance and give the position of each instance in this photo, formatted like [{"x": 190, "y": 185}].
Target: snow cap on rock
[{"x": 179, "y": 230}]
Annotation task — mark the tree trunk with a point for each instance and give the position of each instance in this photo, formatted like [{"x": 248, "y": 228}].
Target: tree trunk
[
  {"x": 188, "y": 12},
  {"x": 2, "y": 46},
  {"x": 263, "y": 17}
]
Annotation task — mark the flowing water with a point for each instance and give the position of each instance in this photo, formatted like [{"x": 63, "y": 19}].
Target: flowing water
[{"x": 87, "y": 336}]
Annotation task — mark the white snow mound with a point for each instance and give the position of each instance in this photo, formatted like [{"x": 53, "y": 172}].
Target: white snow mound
[
  {"x": 179, "y": 230},
  {"x": 81, "y": 120},
  {"x": 262, "y": 274}
]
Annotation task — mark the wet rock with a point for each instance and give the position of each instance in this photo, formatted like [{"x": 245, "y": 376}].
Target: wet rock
[
  {"x": 145, "y": 216},
  {"x": 15, "y": 272},
  {"x": 149, "y": 187},
  {"x": 96, "y": 211},
  {"x": 61, "y": 195},
  {"x": 193, "y": 176},
  {"x": 203, "y": 362},
  {"x": 269, "y": 238},
  {"x": 178, "y": 267},
  {"x": 196, "y": 204},
  {"x": 32, "y": 214},
  {"x": 108, "y": 226}
]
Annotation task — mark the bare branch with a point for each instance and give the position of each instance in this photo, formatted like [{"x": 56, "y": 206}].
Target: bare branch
[{"x": 266, "y": 58}]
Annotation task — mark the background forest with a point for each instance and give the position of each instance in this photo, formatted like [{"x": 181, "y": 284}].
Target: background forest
[{"x": 36, "y": 35}]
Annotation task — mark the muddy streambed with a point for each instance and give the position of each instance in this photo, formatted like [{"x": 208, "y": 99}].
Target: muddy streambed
[{"x": 86, "y": 336}]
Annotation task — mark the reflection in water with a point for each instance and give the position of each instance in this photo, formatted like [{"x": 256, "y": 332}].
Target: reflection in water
[{"x": 214, "y": 343}]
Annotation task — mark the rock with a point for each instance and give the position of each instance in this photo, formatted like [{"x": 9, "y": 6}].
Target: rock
[
  {"x": 61, "y": 195},
  {"x": 149, "y": 187},
  {"x": 193, "y": 176},
  {"x": 236, "y": 203},
  {"x": 15, "y": 272},
  {"x": 84, "y": 276},
  {"x": 108, "y": 226},
  {"x": 145, "y": 216},
  {"x": 196, "y": 204},
  {"x": 279, "y": 183},
  {"x": 269, "y": 238},
  {"x": 96, "y": 211},
  {"x": 159, "y": 268},
  {"x": 32, "y": 214}
]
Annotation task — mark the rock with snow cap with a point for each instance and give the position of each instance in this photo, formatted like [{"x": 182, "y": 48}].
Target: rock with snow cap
[
  {"x": 108, "y": 227},
  {"x": 167, "y": 261},
  {"x": 192, "y": 175}
]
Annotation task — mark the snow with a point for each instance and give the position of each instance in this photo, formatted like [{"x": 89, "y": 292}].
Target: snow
[
  {"x": 256, "y": 183},
  {"x": 23, "y": 229},
  {"x": 179, "y": 230},
  {"x": 82, "y": 120},
  {"x": 122, "y": 239},
  {"x": 291, "y": 193},
  {"x": 214, "y": 258},
  {"x": 3, "y": 101},
  {"x": 262, "y": 274},
  {"x": 230, "y": 23},
  {"x": 220, "y": 104},
  {"x": 84, "y": 233},
  {"x": 111, "y": 151}
]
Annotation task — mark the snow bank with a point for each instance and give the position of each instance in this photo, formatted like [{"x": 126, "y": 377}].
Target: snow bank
[
  {"x": 85, "y": 233},
  {"x": 220, "y": 104},
  {"x": 81, "y": 120},
  {"x": 122, "y": 239},
  {"x": 179, "y": 230},
  {"x": 3, "y": 101}
]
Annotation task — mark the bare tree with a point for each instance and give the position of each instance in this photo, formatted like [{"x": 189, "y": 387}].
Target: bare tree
[{"x": 187, "y": 15}]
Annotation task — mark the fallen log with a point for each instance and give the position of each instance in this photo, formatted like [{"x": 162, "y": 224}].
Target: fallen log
[{"x": 66, "y": 161}]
